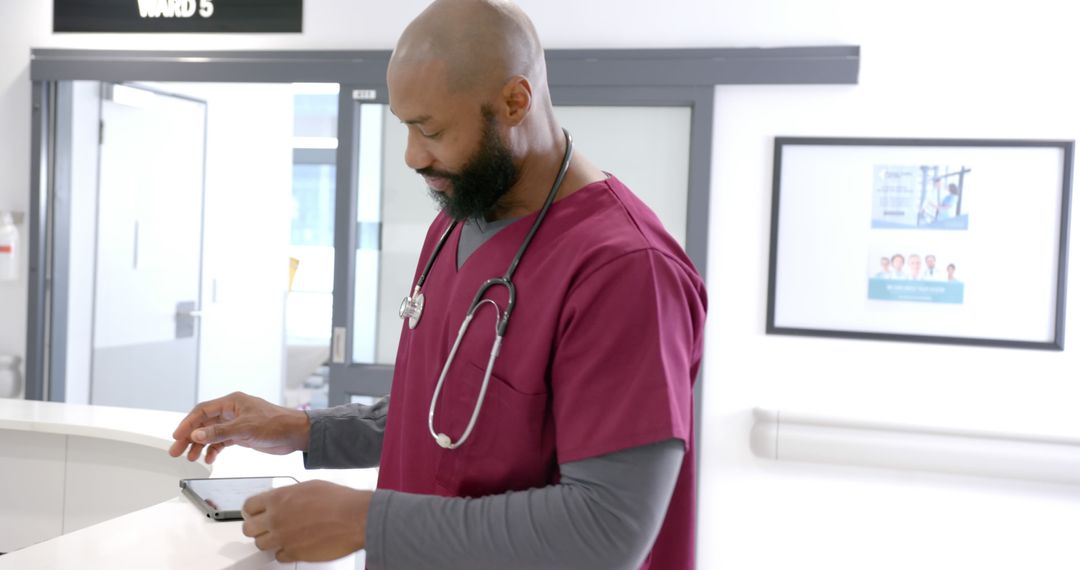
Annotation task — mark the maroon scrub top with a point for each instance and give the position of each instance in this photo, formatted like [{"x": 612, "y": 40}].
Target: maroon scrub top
[{"x": 600, "y": 355}]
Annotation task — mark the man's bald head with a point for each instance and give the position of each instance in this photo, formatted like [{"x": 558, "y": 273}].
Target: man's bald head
[
  {"x": 468, "y": 81},
  {"x": 483, "y": 43}
]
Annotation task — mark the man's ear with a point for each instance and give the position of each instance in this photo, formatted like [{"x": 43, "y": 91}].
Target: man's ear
[{"x": 516, "y": 100}]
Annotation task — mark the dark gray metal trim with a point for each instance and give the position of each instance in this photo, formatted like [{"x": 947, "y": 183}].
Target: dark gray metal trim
[
  {"x": 697, "y": 215},
  {"x": 697, "y": 225},
  {"x": 215, "y": 66},
  {"x": 706, "y": 66},
  {"x": 1069, "y": 150},
  {"x": 37, "y": 285},
  {"x": 348, "y": 135},
  {"x": 314, "y": 156},
  {"x": 361, "y": 380},
  {"x": 350, "y": 378},
  {"x": 595, "y": 67},
  {"x": 60, "y": 242}
]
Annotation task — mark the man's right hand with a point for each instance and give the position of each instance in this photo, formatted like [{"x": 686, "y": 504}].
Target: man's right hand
[{"x": 240, "y": 419}]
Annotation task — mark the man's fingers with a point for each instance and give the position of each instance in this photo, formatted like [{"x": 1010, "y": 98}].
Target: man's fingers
[
  {"x": 253, "y": 526},
  {"x": 201, "y": 414},
  {"x": 213, "y": 451},
  {"x": 195, "y": 451},
  {"x": 267, "y": 541},
  {"x": 208, "y": 428},
  {"x": 254, "y": 506},
  {"x": 215, "y": 433},
  {"x": 178, "y": 447},
  {"x": 283, "y": 556}
]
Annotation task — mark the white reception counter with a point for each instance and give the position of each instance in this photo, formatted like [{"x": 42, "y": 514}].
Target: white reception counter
[{"x": 88, "y": 487}]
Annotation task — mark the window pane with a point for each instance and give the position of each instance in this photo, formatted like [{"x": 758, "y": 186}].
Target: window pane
[
  {"x": 407, "y": 210},
  {"x": 393, "y": 212},
  {"x": 309, "y": 305},
  {"x": 313, "y": 204},
  {"x": 368, "y": 200},
  {"x": 647, "y": 148},
  {"x": 315, "y": 115}
]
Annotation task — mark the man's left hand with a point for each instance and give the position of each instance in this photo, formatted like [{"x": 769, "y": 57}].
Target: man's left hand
[{"x": 313, "y": 521}]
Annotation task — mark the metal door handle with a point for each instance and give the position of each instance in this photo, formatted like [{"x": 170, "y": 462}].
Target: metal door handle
[{"x": 186, "y": 313}]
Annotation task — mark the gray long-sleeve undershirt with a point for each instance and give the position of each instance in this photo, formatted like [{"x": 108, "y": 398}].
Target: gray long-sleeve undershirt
[{"x": 604, "y": 513}]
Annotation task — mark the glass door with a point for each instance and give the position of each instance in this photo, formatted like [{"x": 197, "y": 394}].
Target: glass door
[{"x": 644, "y": 141}]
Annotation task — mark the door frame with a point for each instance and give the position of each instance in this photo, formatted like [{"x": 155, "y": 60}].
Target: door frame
[
  {"x": 349, "y": 377},
  {"x": 649, "y": 74}
]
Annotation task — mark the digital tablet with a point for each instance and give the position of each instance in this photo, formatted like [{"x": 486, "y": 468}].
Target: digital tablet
[{"x": 221, "y": 499}]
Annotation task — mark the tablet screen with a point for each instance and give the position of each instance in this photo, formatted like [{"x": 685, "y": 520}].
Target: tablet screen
[{"x": 224, "y": 497}]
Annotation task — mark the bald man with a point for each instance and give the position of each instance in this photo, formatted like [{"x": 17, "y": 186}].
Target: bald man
[{"x": 572, "y": 449}]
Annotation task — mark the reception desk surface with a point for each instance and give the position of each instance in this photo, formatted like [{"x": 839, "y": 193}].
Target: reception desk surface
[{"x": 88, "y": 487}]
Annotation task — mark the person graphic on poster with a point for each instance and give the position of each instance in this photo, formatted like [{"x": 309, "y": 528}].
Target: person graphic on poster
[
  {"x": 932, "y": 272},
  {"x": 912, "y": 278},
  {"x": 886, "y": 269},
  {"x": 914, "y": 268},
  {"x": 950, "y": 269},
  {"x": 947, "y": 208},
  {"x": 896, "y": 262}
]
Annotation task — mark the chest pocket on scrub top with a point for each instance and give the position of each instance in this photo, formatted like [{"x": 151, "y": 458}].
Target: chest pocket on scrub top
[{"x": 505, "y": 451}]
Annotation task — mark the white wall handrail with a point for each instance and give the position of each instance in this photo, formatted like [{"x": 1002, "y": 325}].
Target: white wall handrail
[{"x": 792, "y": 436}]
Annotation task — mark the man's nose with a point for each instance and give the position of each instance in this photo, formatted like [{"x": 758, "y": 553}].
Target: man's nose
[{"x": 417, "y": 156}]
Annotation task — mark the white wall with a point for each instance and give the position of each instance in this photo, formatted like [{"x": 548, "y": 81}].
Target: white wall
[
  {"x": 945, "y": 69},
  {"x": 959, "y": 68}
]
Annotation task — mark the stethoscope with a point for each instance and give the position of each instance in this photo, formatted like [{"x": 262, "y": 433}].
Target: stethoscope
[{"x": 412, "y": 307}]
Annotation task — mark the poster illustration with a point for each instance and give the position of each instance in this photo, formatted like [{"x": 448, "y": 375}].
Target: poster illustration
[
  {"x": 918, "y": 277},
  {"x": 928, "y": 197}
]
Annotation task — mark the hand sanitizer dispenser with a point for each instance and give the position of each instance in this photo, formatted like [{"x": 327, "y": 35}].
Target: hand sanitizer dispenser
[{"x": 9, "y": 248}]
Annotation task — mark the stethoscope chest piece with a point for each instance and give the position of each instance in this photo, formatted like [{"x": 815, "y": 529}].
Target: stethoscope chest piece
[{"x": 412, "y": 308}]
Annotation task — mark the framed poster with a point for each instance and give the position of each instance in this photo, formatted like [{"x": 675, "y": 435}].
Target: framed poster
[{"x": 929, "y": 240}]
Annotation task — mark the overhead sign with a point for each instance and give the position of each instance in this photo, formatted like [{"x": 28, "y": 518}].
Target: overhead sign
[{"x": 152, "y": 16}]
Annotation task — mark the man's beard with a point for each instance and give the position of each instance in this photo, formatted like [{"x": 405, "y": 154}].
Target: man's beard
[{"x": 485, "y": 178}]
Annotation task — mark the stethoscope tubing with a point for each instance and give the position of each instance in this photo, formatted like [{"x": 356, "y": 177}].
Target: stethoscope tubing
[
  {"x": 441, "y": 438},
  {"x": 502, "y": 318}
]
